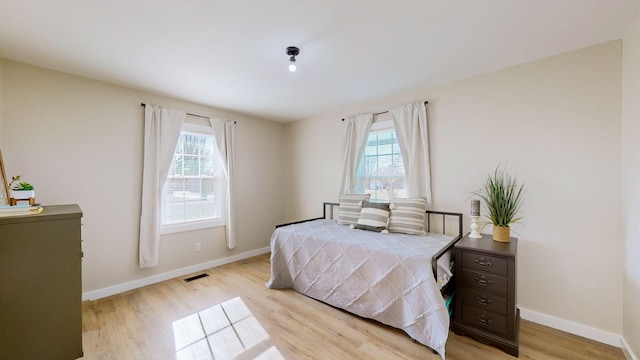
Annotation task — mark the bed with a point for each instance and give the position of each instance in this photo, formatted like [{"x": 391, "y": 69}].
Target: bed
[{"x": 390, "y": 278}]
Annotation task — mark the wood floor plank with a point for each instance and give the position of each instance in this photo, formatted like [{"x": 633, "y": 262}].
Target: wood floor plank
[{"x": 139, "y": 324}]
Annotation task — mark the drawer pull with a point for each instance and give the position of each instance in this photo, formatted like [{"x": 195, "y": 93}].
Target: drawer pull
[
  {"x": 482, "y": 280},
  {"x": 483, "y": 262},
  {"x": 483, "y": 300},
  {"x": 483, "y": 320}
]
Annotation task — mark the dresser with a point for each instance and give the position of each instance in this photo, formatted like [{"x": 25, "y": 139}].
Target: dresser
[
  {"x": 41, "y": 285},
  {"x": 486, "y": 292}
]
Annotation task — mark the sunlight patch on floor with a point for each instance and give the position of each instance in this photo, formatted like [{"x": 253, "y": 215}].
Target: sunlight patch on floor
[{"x": 224, "y": 331}]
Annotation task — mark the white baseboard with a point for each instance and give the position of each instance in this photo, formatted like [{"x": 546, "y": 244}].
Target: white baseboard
[
  {"x": 571, "y": 327},
  {"x": 116, "y": 289},
  {"x": 626, "y": 350}
]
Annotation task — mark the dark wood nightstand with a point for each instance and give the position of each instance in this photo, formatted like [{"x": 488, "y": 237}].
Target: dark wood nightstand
[{"x": 486, "y": 292}]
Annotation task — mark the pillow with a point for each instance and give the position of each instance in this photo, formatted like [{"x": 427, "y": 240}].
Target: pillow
[
  {"x": 373, "y": 217},
  {"x": 407, "y": 216},
  {"x": 349, "y": 208}
]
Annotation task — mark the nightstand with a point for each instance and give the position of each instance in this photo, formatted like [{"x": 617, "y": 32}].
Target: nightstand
[{"x": 486, "y": 292}]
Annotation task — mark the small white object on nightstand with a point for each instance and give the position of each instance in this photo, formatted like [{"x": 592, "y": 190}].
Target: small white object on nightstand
[{"x": 475, "y": 227}]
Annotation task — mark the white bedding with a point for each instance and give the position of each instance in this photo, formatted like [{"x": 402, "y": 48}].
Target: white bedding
[{"x": 383, "y": 277}]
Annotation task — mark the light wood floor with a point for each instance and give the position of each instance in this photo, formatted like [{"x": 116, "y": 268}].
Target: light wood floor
[{"x": 139, "y": 324}]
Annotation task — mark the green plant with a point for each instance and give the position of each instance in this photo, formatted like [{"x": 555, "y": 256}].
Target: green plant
[
  {"x": 501, "y": 197},
  {"x": 19, "y": 186}
]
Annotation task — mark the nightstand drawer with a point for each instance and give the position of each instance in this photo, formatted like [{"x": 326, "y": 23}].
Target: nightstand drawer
[
  {"x": 484, "y": 281},
  {"x": 484, "y": 320},
  {"x": 484, "y": 300},
  {"x": 484, "y": 262}
]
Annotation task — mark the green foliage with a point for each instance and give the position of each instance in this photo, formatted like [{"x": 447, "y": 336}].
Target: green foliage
[
  {"x": 19, "y": 186},
  {"x": 501, "y": 197},
  {"x": 23, "y": 186}
]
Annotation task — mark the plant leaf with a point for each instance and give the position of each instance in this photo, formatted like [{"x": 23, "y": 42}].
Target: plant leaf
[{"x": 501, "y": 197}]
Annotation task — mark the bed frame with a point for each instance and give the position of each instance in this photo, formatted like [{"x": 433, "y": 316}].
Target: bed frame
[
  {"x": 327, "y": 213},
  {"x": 448, "y": 218}
]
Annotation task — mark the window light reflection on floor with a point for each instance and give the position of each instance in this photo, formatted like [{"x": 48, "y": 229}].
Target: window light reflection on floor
[{"x": 224, "y": 331}]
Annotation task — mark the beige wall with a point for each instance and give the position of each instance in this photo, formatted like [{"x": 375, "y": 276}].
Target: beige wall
[
  {"x": 80, "y": 141},
  {"x": 1, "y": 77},
  {"x": 556, "y": 124},
  {"x": 631, "y": 184}
]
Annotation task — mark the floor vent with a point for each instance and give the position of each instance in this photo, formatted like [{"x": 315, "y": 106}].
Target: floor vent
[{"x": 195, "y": 277}]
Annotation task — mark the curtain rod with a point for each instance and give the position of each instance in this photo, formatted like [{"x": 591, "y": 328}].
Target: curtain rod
[
  {"x": 205, "y": 117},
  {"x": 200, "y": 116},
  {"x": 384, "y": 112}
]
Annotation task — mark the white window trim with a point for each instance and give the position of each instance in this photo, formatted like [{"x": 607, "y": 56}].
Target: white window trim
[
  {"x": 198, "y": 224},
  {"x": 192, "y": 225}
]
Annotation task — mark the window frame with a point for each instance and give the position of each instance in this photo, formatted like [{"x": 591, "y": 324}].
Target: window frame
[{"x": 220, "y": 185}]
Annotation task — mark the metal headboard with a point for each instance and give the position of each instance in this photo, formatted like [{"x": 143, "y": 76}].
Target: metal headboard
[{"x": 327, "y": 209}]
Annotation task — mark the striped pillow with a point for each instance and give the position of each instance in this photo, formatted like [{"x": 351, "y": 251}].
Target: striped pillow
[
  {"x": 374, "y": 216},
  {"x": 349, "y": 208},
  {"x": 407, "y": 216}
]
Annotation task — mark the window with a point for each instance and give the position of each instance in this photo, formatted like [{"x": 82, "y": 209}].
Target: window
[
  {"x": 193, "y": 194},
  {"x": 381, "y": 170}
]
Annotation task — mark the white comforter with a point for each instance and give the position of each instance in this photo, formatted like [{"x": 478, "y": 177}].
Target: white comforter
[{"x": 383, "y": 277}]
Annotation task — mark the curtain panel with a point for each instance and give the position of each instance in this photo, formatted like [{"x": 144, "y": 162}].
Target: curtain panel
[
  {"x": 410, "y": 122},
  {"x": 161, "y": 132},
  {"x": 224, "y": 131},
  {"x": 355, "y": 139}
]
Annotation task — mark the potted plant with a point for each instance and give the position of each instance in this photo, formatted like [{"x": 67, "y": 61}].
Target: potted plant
[
  {"x": 21, "y": 190},
  {"x": 501, "y": 197}
]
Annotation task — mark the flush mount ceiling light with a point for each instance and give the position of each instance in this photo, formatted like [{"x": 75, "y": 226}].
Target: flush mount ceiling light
[{"x": 292, "y": 51}]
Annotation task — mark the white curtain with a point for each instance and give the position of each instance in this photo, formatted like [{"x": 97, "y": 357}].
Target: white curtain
[
  {"x": 224, "y": 131},
  {"x": 161, "y": 132},
  {"x": 358, "y": 128},
  {"x": 410, "y": 122}
]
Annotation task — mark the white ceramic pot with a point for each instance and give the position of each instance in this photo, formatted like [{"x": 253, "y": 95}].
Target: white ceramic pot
[{"x": 23, "y": 194}]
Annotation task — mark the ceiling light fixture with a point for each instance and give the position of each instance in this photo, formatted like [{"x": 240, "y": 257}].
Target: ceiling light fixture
[{"x": 292, "y": 51}]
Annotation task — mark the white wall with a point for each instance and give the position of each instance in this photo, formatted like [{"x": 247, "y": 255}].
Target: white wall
[
  {"x": 556, "y": 124},
  {"x": 631, "y": 184},
  {"x": 80, "y": 141}
]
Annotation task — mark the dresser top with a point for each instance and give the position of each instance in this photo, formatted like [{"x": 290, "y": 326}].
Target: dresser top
[
  {"x": 487, "y": 245},
  {"x": 50, "y": 212}
]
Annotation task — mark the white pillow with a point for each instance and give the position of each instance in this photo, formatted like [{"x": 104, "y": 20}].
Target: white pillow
[
  {"x": 407, "y": 216},
  {"x": 349, "y": 208}
]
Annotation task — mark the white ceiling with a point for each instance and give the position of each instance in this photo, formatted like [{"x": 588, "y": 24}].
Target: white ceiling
[{"x": 231, "y": 54}]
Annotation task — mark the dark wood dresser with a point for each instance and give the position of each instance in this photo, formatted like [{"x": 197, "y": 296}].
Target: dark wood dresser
[
  {"x": 486, "y": 292},
  {"x": 41, "y": 285}
]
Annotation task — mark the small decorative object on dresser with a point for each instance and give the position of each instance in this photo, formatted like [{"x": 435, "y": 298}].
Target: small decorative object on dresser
[
  {"x": 486, "y": 307},
  {"x": 4, "y": 187},
  {"x": 502, "y": 197},
  {"x": 21, "y": 191}
]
